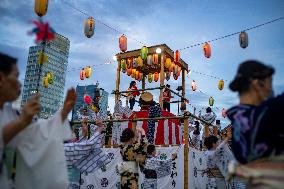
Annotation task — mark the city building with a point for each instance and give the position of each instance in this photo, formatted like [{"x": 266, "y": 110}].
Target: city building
[
  {"x": 51, "y": 97},
  {"x": 93, "y": 91}
]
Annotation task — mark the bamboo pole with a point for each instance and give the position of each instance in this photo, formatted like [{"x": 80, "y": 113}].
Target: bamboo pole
[
  {"x": 177, "y": 94},
  {"x": 185, "y": 136},
  {"x": 186, "y": 115},
  {"x": 143, "y": 82},
  {"x": 206, "y": 130},
  {"x": 183, "y": 83},
  {"x": 147, "y": 89},
  {"x": 117, "y": 80},
  {"x": 162, "y": 78}
]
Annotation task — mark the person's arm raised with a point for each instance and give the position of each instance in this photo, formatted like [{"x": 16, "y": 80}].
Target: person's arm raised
[
  {"x": 31, "y": 108},
  {"x": 69, "y": 103}
]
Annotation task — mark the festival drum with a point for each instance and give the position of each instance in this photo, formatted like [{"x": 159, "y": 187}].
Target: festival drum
[{"x": 145, "y": 100}]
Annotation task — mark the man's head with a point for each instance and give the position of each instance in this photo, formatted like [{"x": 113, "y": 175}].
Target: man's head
[
  {"x": 151, "y": 150},
  {"x": 10, "y": 87},
  {"x": 208, "y": 110},
  {"x": 211, "y": 142},
  {"x": 253, "y": 79}
]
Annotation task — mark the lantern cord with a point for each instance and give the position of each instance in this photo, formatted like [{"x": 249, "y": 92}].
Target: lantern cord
[
  {"x": 101, "y": 22},
  {"x": 215, "y": 77},
  {"x": 232, "y": 34}
]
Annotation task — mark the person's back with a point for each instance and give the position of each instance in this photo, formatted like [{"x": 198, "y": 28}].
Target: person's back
[{"x": 256, "y": 122}]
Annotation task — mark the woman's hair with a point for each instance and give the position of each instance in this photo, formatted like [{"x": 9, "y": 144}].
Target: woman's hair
[
  {"x": 126, "y": 135},
  {"x": 196, "y": 131},
  {"x": 150, "y": 149},
  {"x": 131, "y": 84},
  {"x": 6, "y": 63},
  {"x": 248, "y": 71},
  {"x": 209, "y": 141}
]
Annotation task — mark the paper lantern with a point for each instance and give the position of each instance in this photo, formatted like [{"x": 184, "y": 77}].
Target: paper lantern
[
  {"x": 94, "y": 108},
  {"x": 129, "y": 63},
  {"x": 123, "y": 43},
  {"x": 178, "y": 72},
  {"x": 144, "y": 52},
  {"x": 137, "y": 75},
  {"x": 134, "y": 63},
  {"x": 45, "y": 82},
  {"x": 224, "y": 113},
  {"x": 89, "y": 27},
  {"x": 88, "y": 71},
  {"x": 221, "y": 84},
  {"x": 87, "y": 99},
  {"x": 207, "y": 50},
  {"x": 177, "y": 56},
  {"x": 149, "y": 60},
  {"x": 155, "y": 58},
  {"x": 171, "y": 69},
  {"x": 211, "y": 101},
  {"x": 150, "y": 77},
  {"x": 168, "y": 76},
  {"x": 129, "y": 71},
  {"x": 175, "y": 71},
  {"x": 133, "y": 72},
  {"x": 82, "y": 74},
  {"x": 193, "y": 85},
  {"x": 139, "y": 61},
  {"x": 168, "y": 63},
  {"x": 40, "y": 7},
  {"x": 49, "y": 77},
  {"x": 123, "y": 64},
  {"x": 243, "y": 38},
  {"x": 156, "y": 76},
  {"x": 42, "y": 58}
]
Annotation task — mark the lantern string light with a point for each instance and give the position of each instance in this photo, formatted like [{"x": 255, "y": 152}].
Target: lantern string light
[
  {"x": 101, "y": 22},
  {"x": 232, "y": 34},
  {"x": 215, "y": 77}
]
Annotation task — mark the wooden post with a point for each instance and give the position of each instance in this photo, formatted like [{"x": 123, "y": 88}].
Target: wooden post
[
  {"x": 117, "y": 80},
  {"x": 134, "y": 123},
  {"x": 206, "y": 131},
  {"x": 185, "y": 136},
  {"x": 183, "y": 82},
  {"x": 143, "y": 82},
  {"x": 162, "y": 78},
  {"x": 215, "y": 131}
]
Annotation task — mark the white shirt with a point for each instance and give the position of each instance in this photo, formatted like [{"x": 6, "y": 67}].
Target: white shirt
[{"x": 41, "y": 162}]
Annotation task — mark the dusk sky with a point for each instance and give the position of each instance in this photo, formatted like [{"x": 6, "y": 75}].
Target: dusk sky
[{"x": 178, "y": 24}]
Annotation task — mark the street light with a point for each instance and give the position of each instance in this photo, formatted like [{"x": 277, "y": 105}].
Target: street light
[
  {"x": 158, "y": 50},
  {"x": 114, "y": 58}
]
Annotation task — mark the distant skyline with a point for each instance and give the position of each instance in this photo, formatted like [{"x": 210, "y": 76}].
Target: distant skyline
[{"x": 175, "y": 23}]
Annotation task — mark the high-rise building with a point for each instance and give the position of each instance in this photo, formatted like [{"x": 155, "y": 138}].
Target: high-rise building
[
  {"x": 51, "y": 97},
  {"x": 93, "y": 91}
]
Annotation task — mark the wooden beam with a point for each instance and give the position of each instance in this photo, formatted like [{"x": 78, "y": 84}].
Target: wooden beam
[
  {"x": 183, "y": 83},
  {"x": 148, "y": 89},
  {"x": 162, "y": 78}
]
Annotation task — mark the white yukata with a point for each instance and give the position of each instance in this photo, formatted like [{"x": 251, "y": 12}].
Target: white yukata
[
  {"x": 162, "y": 168},
  {"x": 219, "y": 159},
  {"x": 41, "y": 162}
]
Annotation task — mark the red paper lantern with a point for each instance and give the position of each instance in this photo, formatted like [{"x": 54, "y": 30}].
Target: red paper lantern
[
  {"x": 129, "y": 63},
  {"x": 171, "y": 69},
  {"x": 129, "y": 71},
  {"x": 207, "y": 50},
  {"x": 87, "y": 99},
  {"x": 123, "y": 43},
  {"x": 177, "y": 56},
  {"x": 82, "y": 74},
  {"x": 156, "y": 76},
  {"x": 155, "y": 59}
]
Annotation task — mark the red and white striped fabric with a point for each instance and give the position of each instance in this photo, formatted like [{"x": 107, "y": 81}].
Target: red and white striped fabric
[{"x": 167, "y": 131}]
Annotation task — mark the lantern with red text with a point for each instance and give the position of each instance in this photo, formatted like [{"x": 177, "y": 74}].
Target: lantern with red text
[
  {"x": 207, "y": 50},
  {"x": 89, "y": 27},
  {"x": 82, "y": 74},
  {"x": 123, "y": 43},
  {"x": 156, "y": 76}
]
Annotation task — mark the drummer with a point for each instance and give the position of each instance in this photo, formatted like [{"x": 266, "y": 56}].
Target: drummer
[
  {"x": 132, "y": 94},
  {"x": 146, "y": 100}
]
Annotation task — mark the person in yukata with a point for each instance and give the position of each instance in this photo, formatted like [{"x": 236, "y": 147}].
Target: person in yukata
[
  {"x": 258, "y": 134},
  {"x": 218, "y": 158},
  {"x": 196, "y": 135},
  {"x": 154, "y": 111},
  {"x": 155, "y": 168},
  {"x": 133, "y": 153},
  {"x": 210, "y": 118},
  {"x": 132, "y": 95},
  {"x": 37, "y": 146}
]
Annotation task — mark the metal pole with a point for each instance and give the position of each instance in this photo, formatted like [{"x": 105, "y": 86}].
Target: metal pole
[{"x": 185, "y": 136}]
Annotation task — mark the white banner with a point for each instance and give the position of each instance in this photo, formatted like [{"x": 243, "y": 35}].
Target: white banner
[{"x": 107, "y": 178}]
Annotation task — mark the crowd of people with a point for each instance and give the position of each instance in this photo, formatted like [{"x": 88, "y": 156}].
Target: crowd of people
[{"x": 36, "y": 153}]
